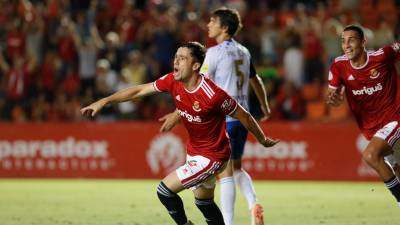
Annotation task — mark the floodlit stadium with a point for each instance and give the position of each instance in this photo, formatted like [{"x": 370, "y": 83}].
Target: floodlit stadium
[{"x": 116, "y": 112}]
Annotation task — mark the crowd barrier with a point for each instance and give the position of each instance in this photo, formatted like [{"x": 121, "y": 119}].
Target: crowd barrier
[{"x": 307, "y": 151}]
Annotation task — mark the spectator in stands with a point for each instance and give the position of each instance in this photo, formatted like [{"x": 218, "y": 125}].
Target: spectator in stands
[
  {"x": 17, "y": 79},
  {"x": 164, "y": 39},
  {"x": 384, "y": 35},
  {"x": 330, "y": 42},
  {"x": 71, "y": 83},
  {"x": 34, "y": 38},
  {"x": 40, "y": 111},
  {"x": 15, "y": 39},
  {"x": 127, "y": 110},
  {"x": 112, "y": 51},
  {"x": 106, "y": 78},
  {"x": 106, "y": 83},
  {"x": 289, "y": 103},
  {"x": 135, "y": 71},
  {"x": 312, "y": 47},
  {"x": 87, "y": 51},
  {"x": 269, "y": 40},
  {"x": 64, "y": 42},
  {"x": 293, "y": 59},
  {"x": 153, "y": 28},
  {"x": 49, "y": 71}
]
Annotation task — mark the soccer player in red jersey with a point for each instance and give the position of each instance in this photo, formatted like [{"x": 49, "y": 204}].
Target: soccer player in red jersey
[
  {"x": 203, "y": 107},
  {"x": 371, "y": 85},
  {"x": 229, "y": 65}
]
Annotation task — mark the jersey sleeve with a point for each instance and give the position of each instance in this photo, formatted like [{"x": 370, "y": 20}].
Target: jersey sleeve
[
  {"x": 392, "y": 52},
  {"x": 209, "y": 66},
  {"x": 253, "y": 72},
  {"x": 334, "y": 80},
  {"x": 164, "y": 83},
  {"x": 225, "y": 103}
]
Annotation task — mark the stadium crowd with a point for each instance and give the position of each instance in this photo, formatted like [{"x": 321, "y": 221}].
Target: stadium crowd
[{"x": 59, "y": 55}]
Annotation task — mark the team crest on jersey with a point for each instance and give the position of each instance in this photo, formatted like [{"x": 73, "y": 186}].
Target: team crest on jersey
[
  {"x": 374, "y": 74},
  {"x": 196, "y": 106}
]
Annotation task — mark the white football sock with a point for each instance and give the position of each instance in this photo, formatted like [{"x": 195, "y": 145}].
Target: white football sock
[
  {"x": 243, "y": 180},
  {"x": 228, "y": 195}
]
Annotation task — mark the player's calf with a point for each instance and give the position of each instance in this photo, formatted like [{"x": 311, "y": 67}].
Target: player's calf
[
  {"x": 173, "y": 203},
  {"x": 394, "y": 163},
  {"x": 396, "y": 169},
  {"x": 210, "y": 211},
  {"x": 257, "y": 217},
  {"x": 393, "y": 184}
]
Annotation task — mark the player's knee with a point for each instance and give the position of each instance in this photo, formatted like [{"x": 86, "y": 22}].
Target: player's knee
[
  {"x": 164, "y": 192},
  {"x": 237, "y": 165},
  {"x": 370, "y": 156},
  {"x": 227, "y": 172}
]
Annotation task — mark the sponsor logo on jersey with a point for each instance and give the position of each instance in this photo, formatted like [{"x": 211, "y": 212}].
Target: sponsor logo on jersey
[
  {"x": 189, "y": 117},
  {"x": 374, "y": 74},
  {"x": 368, "y": 91},
  {"x": 196, "y": 106}
]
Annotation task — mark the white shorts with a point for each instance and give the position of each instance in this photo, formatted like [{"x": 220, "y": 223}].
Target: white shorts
[
  {"x": 199, "y": 171},
  {"x": 391, "y": 134},
  {"x": 394, "y": 158}
]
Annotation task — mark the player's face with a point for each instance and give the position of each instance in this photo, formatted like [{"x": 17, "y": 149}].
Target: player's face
[
  {"x": 214, "y": 27},
  {"x": 183, "y": 64},
  {"x": 352, "y": 44}
]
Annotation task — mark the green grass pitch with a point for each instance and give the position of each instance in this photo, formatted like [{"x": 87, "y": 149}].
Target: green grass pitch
[{"x": 134, "y": 202}]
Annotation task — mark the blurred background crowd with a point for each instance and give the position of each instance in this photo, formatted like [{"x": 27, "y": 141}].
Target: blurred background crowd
[{"x": 59, "y": 55}]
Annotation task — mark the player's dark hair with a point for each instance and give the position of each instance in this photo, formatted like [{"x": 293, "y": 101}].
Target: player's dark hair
[
  {"x": 356, "y": 29},
  {"x": 197, "y": 50},
  {"x": 229, "y": 18}
]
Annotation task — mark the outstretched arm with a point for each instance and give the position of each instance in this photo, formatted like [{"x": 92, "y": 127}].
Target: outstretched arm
[
  {"x": 96, "y": 37},
  {"x": 251, "y": 125},
  {"x": 259, "y": 88},
  {"x": 131, "y": 93}
]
